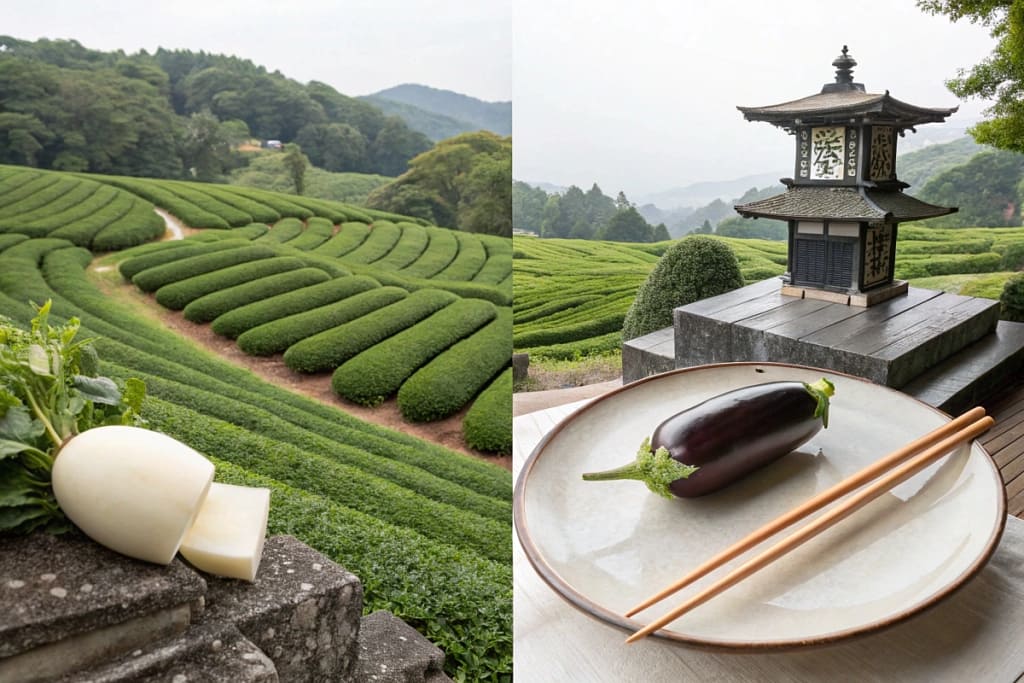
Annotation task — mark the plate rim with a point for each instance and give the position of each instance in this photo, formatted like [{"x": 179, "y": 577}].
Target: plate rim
[{"x": 576, "y": 599}]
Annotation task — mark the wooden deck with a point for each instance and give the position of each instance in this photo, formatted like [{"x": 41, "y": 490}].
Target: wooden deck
[{"x": 1005, "y": 442}]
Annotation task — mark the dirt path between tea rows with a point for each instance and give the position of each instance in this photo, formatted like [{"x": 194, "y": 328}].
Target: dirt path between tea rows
[{"x": 447, "y": 432}]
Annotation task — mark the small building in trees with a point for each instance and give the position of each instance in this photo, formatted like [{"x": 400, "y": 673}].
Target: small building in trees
[{"x": 844, "y": 203}]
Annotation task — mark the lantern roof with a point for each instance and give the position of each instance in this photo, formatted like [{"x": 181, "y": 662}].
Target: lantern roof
[
  {"x": 853, "y": 204},
  {"x": 846, "y": 102}
]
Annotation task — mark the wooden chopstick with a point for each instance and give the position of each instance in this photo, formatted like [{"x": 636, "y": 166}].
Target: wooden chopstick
[
  {"x": 819, "y": 501},
  {"x": 812, "y": 529}
]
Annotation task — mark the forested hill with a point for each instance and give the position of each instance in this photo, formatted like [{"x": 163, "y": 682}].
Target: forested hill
[
  {"x": 443, "y": 113},
  {"x": 64, "y": 106}
]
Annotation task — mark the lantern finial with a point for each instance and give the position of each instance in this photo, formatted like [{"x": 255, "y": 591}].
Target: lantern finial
[{"x": 844, "y": 64}]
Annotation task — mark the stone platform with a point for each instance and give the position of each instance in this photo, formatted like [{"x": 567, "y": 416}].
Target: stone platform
[{"x": 949, "y": 350}]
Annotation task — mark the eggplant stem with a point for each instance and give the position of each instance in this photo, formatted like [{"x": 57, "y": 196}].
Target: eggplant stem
[
  {"x": 657, "y": 470},
  {"x": 821, "y": 391}
]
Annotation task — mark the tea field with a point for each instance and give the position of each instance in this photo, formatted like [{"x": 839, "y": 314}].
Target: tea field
[
  {"x": 426, "y": 315},
  {"x": 571, "y": 296}
]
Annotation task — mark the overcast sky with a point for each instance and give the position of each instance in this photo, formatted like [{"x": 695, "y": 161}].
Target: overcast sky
[
  {"x": 641, "y": 96},
  {"x": 357, "y": 46}
]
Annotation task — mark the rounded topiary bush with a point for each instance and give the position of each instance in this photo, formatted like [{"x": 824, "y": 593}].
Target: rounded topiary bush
[
  {"x": 693, "y": 268},
  {"x": 1012, "y": 299}
]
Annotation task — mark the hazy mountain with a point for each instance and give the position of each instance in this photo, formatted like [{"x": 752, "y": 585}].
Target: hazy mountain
[
  {"x": 706, "y": 191},
  {"x": 917, "y": 167},
  {"x": 442, "y": 113}
]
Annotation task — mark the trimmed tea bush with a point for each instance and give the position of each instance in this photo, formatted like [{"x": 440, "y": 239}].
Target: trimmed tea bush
[
  {"x": 209, "y": 307},
  {"x": 488, "y": 422},
  {"x": 284, "y": 230},
  {"x": 168, "y": 252},
  {"x": 349, "y": 236},
  {"x": 378, "y": 372},
  {"x": 409, "y": 247},
  {"x": 1012, "y": 299},
  {"x": 439, "y": 252},
  {"x": 318, "y": 230},
  {"x": 383, "y": 237},
  {"x": 277, "y": 336},
  {"x": 152, "y": 279},
  {"x": 330, "y": 348},
  {"x": 178, "y": 295},
  {"x": 278, "y": 202},
  {"x": 258, "y": 211},
  {"x": 467, "y": 263},
  {"x": 447, "y": 383},
  {"x": 693, "y": 268},
  {"x": 247, "y": 317}
]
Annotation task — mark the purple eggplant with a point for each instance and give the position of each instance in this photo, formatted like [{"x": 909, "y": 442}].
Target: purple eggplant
[{"x": 712, "y": 444}]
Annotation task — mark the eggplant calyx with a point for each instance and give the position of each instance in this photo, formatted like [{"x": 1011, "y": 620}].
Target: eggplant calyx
[
  {"x": 821, "y": 391},
  {"x": 657, "y": 469}
]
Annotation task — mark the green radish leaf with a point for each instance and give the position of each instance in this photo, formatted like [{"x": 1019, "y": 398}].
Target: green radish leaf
[
  {"x": 9, "y": 448},
  {"x": 17, "y": 424},
  {"x": 38, "y": 360},
  {"x": 97, "y": 389}
]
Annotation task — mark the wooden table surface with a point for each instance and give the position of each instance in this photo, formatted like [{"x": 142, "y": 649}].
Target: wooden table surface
[{"x": 1005, "y": 443}]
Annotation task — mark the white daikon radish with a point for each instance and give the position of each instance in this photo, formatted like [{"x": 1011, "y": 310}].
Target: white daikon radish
[
  {"x": 133, "y": 490},
  {"x": 227, "y": 536}
]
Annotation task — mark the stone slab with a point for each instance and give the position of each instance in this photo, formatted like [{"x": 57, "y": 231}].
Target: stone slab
[
  {"x": 889, "y": 343},
  {"x": 303, "y": 611},
  {"x": 648, "y": 355},
  {"x": 976, "y": 373},
  {"x": 212, "y": 653},
  {"x": 391, "y": 651},
  {"x": 84, "y": 603}
]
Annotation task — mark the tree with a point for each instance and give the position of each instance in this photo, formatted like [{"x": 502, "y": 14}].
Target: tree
[
  {"x": 693, "y": 268},
  {"x": 205, "y": 151},
  {"x": 485, "y": 199},
  {"x": 626, "y": 225},
  {"x": 527, "y": 206},
  {"x": 660, "y": 233},
  {"x": 1000, "y": 76},
  {"x": 296, "y": 163}
]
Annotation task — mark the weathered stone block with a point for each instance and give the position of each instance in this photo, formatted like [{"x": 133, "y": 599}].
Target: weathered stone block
[
  {"x": 391, "y": 651},
  {"x": 67, "y": 603},
  {"x": 212, "y": 653},
  {"x": 648, "y": 355},
  {"x": 520, "y": 366},
  {"x": 303, "y": 611}
]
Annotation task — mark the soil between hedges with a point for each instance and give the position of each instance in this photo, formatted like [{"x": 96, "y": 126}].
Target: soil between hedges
[{"x": 447, "y": 432}]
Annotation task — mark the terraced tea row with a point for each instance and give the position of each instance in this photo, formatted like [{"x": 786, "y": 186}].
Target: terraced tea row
[
  {"x": 373, "y": 338},
  {"x": 571, "y": 296},
  {"x": 428, "y": 531}
]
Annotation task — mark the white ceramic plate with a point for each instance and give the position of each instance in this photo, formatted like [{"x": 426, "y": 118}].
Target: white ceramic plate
[{"x": 605, "y": 546}]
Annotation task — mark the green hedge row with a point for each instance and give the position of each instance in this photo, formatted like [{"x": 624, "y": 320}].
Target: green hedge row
[
  {"x": 10, "y": 239},
  {"x": 257, "y": 211},
  {"x": 38, "y": 183},
  {"x": 468, "y": 262},
  {"x": 349, "y": 236},
  {"x": 409, "y": 247},
  {"x": 14, "y": 178},
  {"x": 284, "y": 230},
  {"x": 337, "y": 213},
  {"x": 140, "y": 225},
  {"x": 279, "y": 335},
  {"x": 611, "y": 322},
  {"x": 592, "y": 346},
  {"x": 192, "y": 194},
  {"x": 158, "y": 254},
  {"x": 154, "y": 278},
  {"x": 318, "y": 230},
  {"x": 499, "y": 259},
  {"x": 247, "y": 317},
  {"x": 488, "y": 422},
  {"x": 45, "y": 206},
  {"x": 215, "y": 304},
  {"x": 378, "y": 372},
  {"x": 327, "y": 350},
  {"x": 178, "y": 295},
  {"x": 948, "y": 264},
  {"x": 280, "y": 203},
  {"x": 344, "y": 484},
  {"x": 383, "y": 237},
  {"x": 447, "y": 383},
  {"x": 190, "y": 214},
  {"x": 440, "y": 251},
  {"x": 545, "y": 306},
  {"x": 404, "y": 573},
  {"x": 152, "y": 349},
  {"x": 45, "y": 195}
]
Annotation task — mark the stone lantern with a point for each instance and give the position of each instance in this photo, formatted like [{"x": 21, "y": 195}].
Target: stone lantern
[{"x": 844, "y": 203}]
